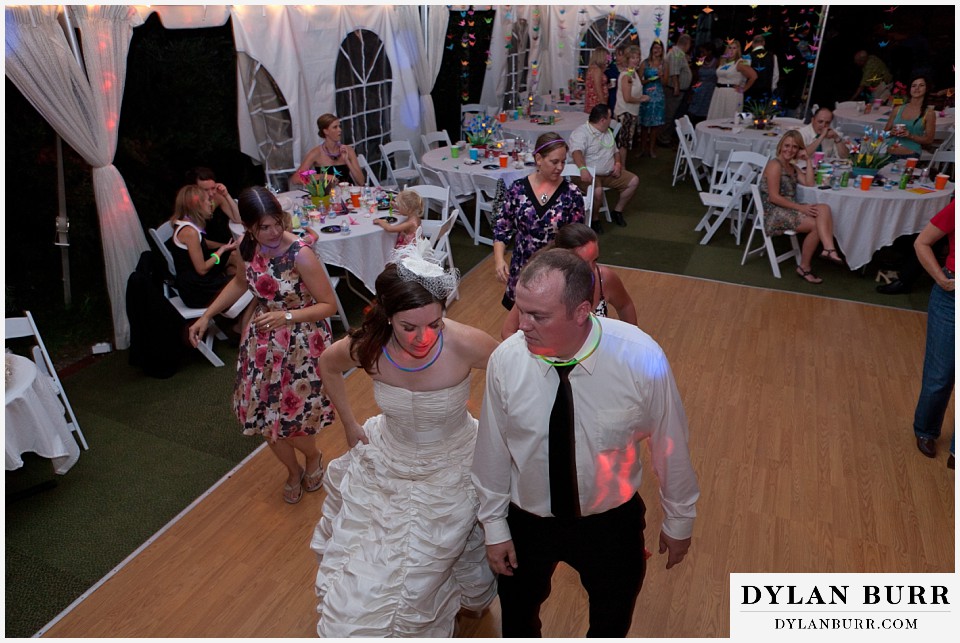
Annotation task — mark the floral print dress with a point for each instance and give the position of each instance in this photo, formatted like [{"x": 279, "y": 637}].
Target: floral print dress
[
  {"x": 278, "y": 376},
  {"x": 533, "y": 225}
]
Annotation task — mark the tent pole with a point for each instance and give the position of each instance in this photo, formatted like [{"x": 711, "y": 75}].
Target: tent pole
[{"x": 816, "y": 61}]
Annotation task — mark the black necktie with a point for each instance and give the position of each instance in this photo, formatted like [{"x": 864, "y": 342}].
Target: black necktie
[{"x": 564, "y": 498}]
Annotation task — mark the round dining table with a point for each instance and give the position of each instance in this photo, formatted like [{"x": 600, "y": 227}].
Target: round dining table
[
  {"x": 866, "y": 220},
  {"x": 564, "y": 123},
  {"x": 761, "y": 141},
  {"x": 458, "y": 171},
  {"x": 34, "y": 418},
  {"x": 849, "y": 120}
]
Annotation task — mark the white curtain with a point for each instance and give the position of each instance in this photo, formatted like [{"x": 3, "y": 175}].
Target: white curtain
[
  {"x": 429, "y": 67},
  {"x": 84, "y": 109}
]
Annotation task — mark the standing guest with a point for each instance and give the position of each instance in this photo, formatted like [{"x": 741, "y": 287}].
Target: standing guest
[
  {"x": 336, "y": 159},
  {"x": 399, "y": 543},
  {"x": 608, "y": 289},
  {"x": 781, "y": 212},
  {"x": 818, "y": 136},
  {"x": 938, "y": 364},
  {"x": 410, "y": 205},
  {"x": 592, "y": 144},
  {"x": 627, "y": 109},
  {"x": 278, "y": 393},
  {"x": 734, "y": 77},
  {"x": 764, "y": 63},
  {"x": 597, "y": 85},
  {"x": 876, "y": 79},
  {"x": 612, "y": 72},
  {"x": 913, "y": 124},
  {"x": 224, "y": 207},
  {"x": 561, "y": 484},
  {"x": 651, "y": 115},
  {"x": 706, "y": 81},
  {"x": 534, "y": 208},
  {"x": 679, "y": 77},
  {"x": 201, "y": 272}
]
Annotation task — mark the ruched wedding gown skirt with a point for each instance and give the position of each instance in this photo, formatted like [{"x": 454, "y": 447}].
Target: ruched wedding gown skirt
[{"x": 399, "y": 544}]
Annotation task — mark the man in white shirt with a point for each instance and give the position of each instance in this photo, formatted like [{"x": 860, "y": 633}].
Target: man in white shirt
[
  {"x": 592, "y": 144},
  {"x": 620, "y": 392},
  {"x": 818, "y": 135}
]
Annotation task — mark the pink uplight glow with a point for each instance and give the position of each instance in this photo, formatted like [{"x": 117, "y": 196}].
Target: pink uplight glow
[{"x": 609, "y": 462}]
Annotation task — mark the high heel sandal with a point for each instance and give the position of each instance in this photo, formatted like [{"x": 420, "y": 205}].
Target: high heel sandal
[
  {"x": 808, "y": 276},
  {"x": 831, "y": 254}
]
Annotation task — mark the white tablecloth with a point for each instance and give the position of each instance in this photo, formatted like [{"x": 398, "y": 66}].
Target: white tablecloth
[
  {"x": 864, "y": 222},
  {"x": 458, "y": 173},
  {"x": 523, "y": 128},
  {"x": 760, "y": 140},
  {"x": 34, "y": 418},
  {"x": 852, "y": 124}
]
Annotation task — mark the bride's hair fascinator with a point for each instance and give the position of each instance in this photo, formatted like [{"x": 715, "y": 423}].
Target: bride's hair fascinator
[{"x": 417, "y": 261}]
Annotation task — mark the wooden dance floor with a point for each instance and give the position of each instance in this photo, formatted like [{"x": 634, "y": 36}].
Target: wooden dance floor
[{"x": 800, "y": 412}]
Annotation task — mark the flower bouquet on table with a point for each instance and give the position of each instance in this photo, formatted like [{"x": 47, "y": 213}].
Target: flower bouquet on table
[
  {"x": 319, "y": 185},
  {"x": 869, "y": 154},
  {"x": 763, "y": 111},
  {"x": 482, "y": 130}
]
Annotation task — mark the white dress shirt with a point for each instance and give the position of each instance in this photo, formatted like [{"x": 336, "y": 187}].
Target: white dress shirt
[
  {"x": 827, "y": 145},
  {"x": 623, "y": 393},
  {"x": 598, "y": 147}
]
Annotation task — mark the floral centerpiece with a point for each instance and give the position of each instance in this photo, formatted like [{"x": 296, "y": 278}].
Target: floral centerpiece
[
  {"x": 319, "y": 185},
  {"x": 870, "y": 153},
  {"x": 763, "y": 111},
  {"x": 899, "y": 93},
  {"x": 482, "y": 130}
]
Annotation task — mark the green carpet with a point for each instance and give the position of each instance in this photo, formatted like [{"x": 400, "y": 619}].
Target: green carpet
[{"x": 157, "y": 445}]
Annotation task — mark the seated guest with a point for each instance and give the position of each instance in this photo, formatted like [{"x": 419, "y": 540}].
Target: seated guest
[
  {"x": 337, "y": 159},
  {"x": 781, "y": 213},
  {"x": 819, "y": 136},
  {"x": 203, "y": 266},
  {"x": 608, "y": 289},
  {"x": 593, "y": 144},
  {"x": 410, "y": 205},
  {"x": 224, "y": 207},
  {"x": 914, "y": 123}
]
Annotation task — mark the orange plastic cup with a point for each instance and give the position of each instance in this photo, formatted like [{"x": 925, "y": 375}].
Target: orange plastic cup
[
  {"x": 941, "y": 181},
  {"x": 911, "y": 163},
  {"x": 503, "y": 160},
  {"x": 355, "y": 197},
  {"x": 502, "y": 117},
  {"x": 866, "y": 182}
]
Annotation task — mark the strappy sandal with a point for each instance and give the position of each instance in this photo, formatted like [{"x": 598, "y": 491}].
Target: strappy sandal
[
  {"x": 287, "y": 489},
  {"x": 313, "y": 481},
  {"x": 831, "y": 254},
  {"x": 808, "y": 276}
]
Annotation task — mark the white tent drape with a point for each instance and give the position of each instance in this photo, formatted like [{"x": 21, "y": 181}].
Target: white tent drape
[
  {"x": 429, "y": 67},
  {"x": 84, "y": 109}
]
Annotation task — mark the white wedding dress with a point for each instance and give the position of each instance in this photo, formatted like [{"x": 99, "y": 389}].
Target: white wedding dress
[{"x": 399, "y": 544}]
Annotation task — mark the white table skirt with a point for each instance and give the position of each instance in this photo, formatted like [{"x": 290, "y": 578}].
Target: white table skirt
[
  {"x": 523, "y": 128},
  {"x": 864, "y": 222},
  {"x": 458, "y": 173},
  {"x": 852, "y": 124},
  {"x": 761, "y": 141},
  {"x": 34, "y": 418}
]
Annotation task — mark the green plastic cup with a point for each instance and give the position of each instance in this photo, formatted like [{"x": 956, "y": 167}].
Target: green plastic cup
[{"x": 454, "y": 151}]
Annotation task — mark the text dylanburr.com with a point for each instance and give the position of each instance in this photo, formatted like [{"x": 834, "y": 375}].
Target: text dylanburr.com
[{"x": 848, "y": 607}]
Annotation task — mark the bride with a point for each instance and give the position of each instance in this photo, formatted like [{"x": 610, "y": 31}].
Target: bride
[{"x": 399, "y": 544}]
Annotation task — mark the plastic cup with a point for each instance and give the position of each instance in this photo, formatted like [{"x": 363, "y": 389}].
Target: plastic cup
[
  {"x": 911, "y": 163},
  {"x": 502, "y": 117},
  {"x": 866, "y": 182},
  {"x": 454, "y": 152},
  {"x": 355, "y": 197},
  {"x": 503, "y": 160},
  {"x": 473, "y": 154},
  {"x": 817, "y": 157},
  {"x": 941, "y": 181}
]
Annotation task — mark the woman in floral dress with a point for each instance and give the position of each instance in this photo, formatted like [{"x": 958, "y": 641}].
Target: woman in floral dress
[
  {"x": 278, "y": 392},
  {"x": 533, "y": 209},
  {"x": 651, "y": 112}
]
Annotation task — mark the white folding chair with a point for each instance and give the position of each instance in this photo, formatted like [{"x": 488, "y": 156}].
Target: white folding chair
[
  {"x": 943, "y": 156},
  {"x": 434, "y": 177},
  {"x": 435, "y": 198},
  {"x": 726, "y": 201},
  {"x": 605, "y": 207},
  {"x": 767, "y": 245},
  {"x": 372, "y": 180},
  {"x": 722, "y": 148},
  {"x": 439, "y": 236},
  {"x": 486, "y": 192},
  {"x": 441, "y": 138},
  {"x": 16, "y": 327},
  {"x": 341, "y": 314},
  {"x": 160, "y": 236},
  {"x": 570, "y": 170},
  {"x": 401, "y": 163},
  {"x": 685, "y": 163}
]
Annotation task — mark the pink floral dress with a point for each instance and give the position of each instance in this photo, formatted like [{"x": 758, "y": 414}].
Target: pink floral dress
[{"x": 278, "y": 390}]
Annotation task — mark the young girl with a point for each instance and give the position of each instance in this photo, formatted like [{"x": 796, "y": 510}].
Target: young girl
[{"x": 410, "y": 205}]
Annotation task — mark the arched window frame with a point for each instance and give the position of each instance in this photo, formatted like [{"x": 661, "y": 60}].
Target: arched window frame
[{"x": 607, "y": 32}]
